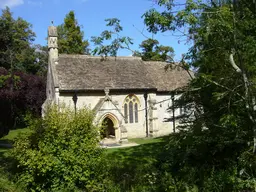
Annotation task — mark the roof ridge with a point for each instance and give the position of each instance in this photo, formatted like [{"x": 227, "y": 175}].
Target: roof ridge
[
  {"x": 163, "y": 62},
  {"x": 99, "y": 57}
]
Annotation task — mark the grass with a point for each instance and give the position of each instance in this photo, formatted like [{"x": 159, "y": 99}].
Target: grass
[
  {"x": 147, "y": 140},
  {"x": 130, "y": 165},
  {"x": 14, "y": 133},
  {"x": 140, "y": 141},
  {"x": 148, "y": 150},
  {"x": 6, "y": 141},
  {"x": 5, "y": 146}
]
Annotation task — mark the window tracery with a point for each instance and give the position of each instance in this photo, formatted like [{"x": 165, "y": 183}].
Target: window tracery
[{"x": 131, "y": 105}]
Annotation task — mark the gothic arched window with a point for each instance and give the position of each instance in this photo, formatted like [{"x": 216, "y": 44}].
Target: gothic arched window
[{"x": 131, "y": 105}]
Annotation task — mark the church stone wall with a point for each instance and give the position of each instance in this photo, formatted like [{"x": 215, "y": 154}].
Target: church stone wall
[
  {"x": 134, "y": 130},
  {"x": 91, "y": 100},
  {"x": 163, "y": 102}
]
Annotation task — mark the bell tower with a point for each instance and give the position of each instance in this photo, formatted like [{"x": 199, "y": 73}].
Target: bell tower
[{"x": 53, "y": 44}]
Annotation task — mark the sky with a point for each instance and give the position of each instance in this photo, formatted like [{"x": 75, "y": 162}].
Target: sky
[{"x": 91, "y": 14}]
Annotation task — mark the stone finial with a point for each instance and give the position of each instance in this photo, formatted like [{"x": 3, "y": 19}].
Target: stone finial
[
  {"x": 107, "y": 97},
  {"x": 106, "y": 90}
]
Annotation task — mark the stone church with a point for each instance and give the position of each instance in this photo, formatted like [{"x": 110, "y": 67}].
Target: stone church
[{"x": 132, "y": 97}]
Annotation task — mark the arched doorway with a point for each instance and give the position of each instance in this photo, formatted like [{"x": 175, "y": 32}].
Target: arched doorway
[{"x": 108, "y": 130}]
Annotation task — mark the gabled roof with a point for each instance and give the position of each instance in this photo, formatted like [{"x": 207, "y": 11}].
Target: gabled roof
[{"x": 81, "y": 72}]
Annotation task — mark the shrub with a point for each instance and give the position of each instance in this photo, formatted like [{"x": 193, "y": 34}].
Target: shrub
[
  {"x": 62, "y": 153},
  {"x": 6, "y": 185},
  {"x": 24, "y": 93}
]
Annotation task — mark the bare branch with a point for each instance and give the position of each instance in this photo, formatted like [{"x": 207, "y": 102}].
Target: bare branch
[
  {"x": 141, "y": 32},
  {"x": 232, "y": 62}
]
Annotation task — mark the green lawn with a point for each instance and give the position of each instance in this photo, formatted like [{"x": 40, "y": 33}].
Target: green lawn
[
  {"x": 14, "y": 133},
  {"x": 148, "y": 150},
  {"x": 140, "y": 141},
  {"x": 7, "y": 140},
  {"x": 147, "y": 140},
  {"x": 130, "y": 165}
]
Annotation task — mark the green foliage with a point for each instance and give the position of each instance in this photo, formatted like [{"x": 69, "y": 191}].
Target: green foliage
[
  {"x": 118, "y": 41},
  {"x": 16, "y": 50},
  {"x": 3, "y": 79},
  {"x": 18, "y": 58},
  {"x": 212, "y": 150},
  {"x": 219, "y": 125},
  {"x": 70, "y": 36},
  {"x": 62, "y": 153},
  {"x": 152, "y": 51},
  {"x": 6, "y": 185},
  {"x": 40, "y": 66},
  {"x": 171, "y": 164}
]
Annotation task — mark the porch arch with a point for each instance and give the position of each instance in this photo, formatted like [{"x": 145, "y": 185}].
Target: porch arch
[
  {"x": 112, "y": 117},
  {"x": 112, "y": 129}
]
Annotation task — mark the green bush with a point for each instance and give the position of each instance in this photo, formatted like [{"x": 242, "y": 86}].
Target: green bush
[
  {"x": 6, "y": 185},
  {"x": 62, "y": 153}
]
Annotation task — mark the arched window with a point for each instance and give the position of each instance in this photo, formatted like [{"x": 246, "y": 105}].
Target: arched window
[{"x": 131, "y": 105}]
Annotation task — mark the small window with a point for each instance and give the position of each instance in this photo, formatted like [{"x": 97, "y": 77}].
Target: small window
[
  {"x": 126, "y": 113},
  {"x": 136, "y": 112},
  {"x": 131, "y": 109}
]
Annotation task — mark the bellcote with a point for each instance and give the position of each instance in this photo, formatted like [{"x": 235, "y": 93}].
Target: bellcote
[
  {"x": 53, "y": 51},
  {"x": 52, "y": 37}
]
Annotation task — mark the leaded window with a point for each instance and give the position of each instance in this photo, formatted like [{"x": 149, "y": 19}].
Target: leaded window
[
  {"x": 136, "y": 112},
  {"x": 131, "y": 105},
  {"x": 125, "y": 112},
  {"x": 131, "y": 112}
]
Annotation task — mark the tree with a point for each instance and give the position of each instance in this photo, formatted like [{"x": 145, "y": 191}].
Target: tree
[
  {"x": 41, "y": 54},
  {"x": 20, "y": 61},
  {"x": 71, "y": 37},
  {"x": 16, "y": 40},
  {"x": 221, "y": 97},
  {"x": 26, "y": 96},
  {"x": 61, "y": 153},
  {"x": 152, "y": 51},
  {"x": 114, "y": 37}
]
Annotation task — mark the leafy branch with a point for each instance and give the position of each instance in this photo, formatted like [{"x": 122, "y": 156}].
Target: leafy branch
[{"x": 116, "y": 40}]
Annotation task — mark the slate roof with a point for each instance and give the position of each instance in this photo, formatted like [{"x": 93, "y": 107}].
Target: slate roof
[{"x": 81, "y": 72}]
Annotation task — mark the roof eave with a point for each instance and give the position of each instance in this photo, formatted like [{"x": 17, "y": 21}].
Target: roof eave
[{"x": 111, "y": 89}]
